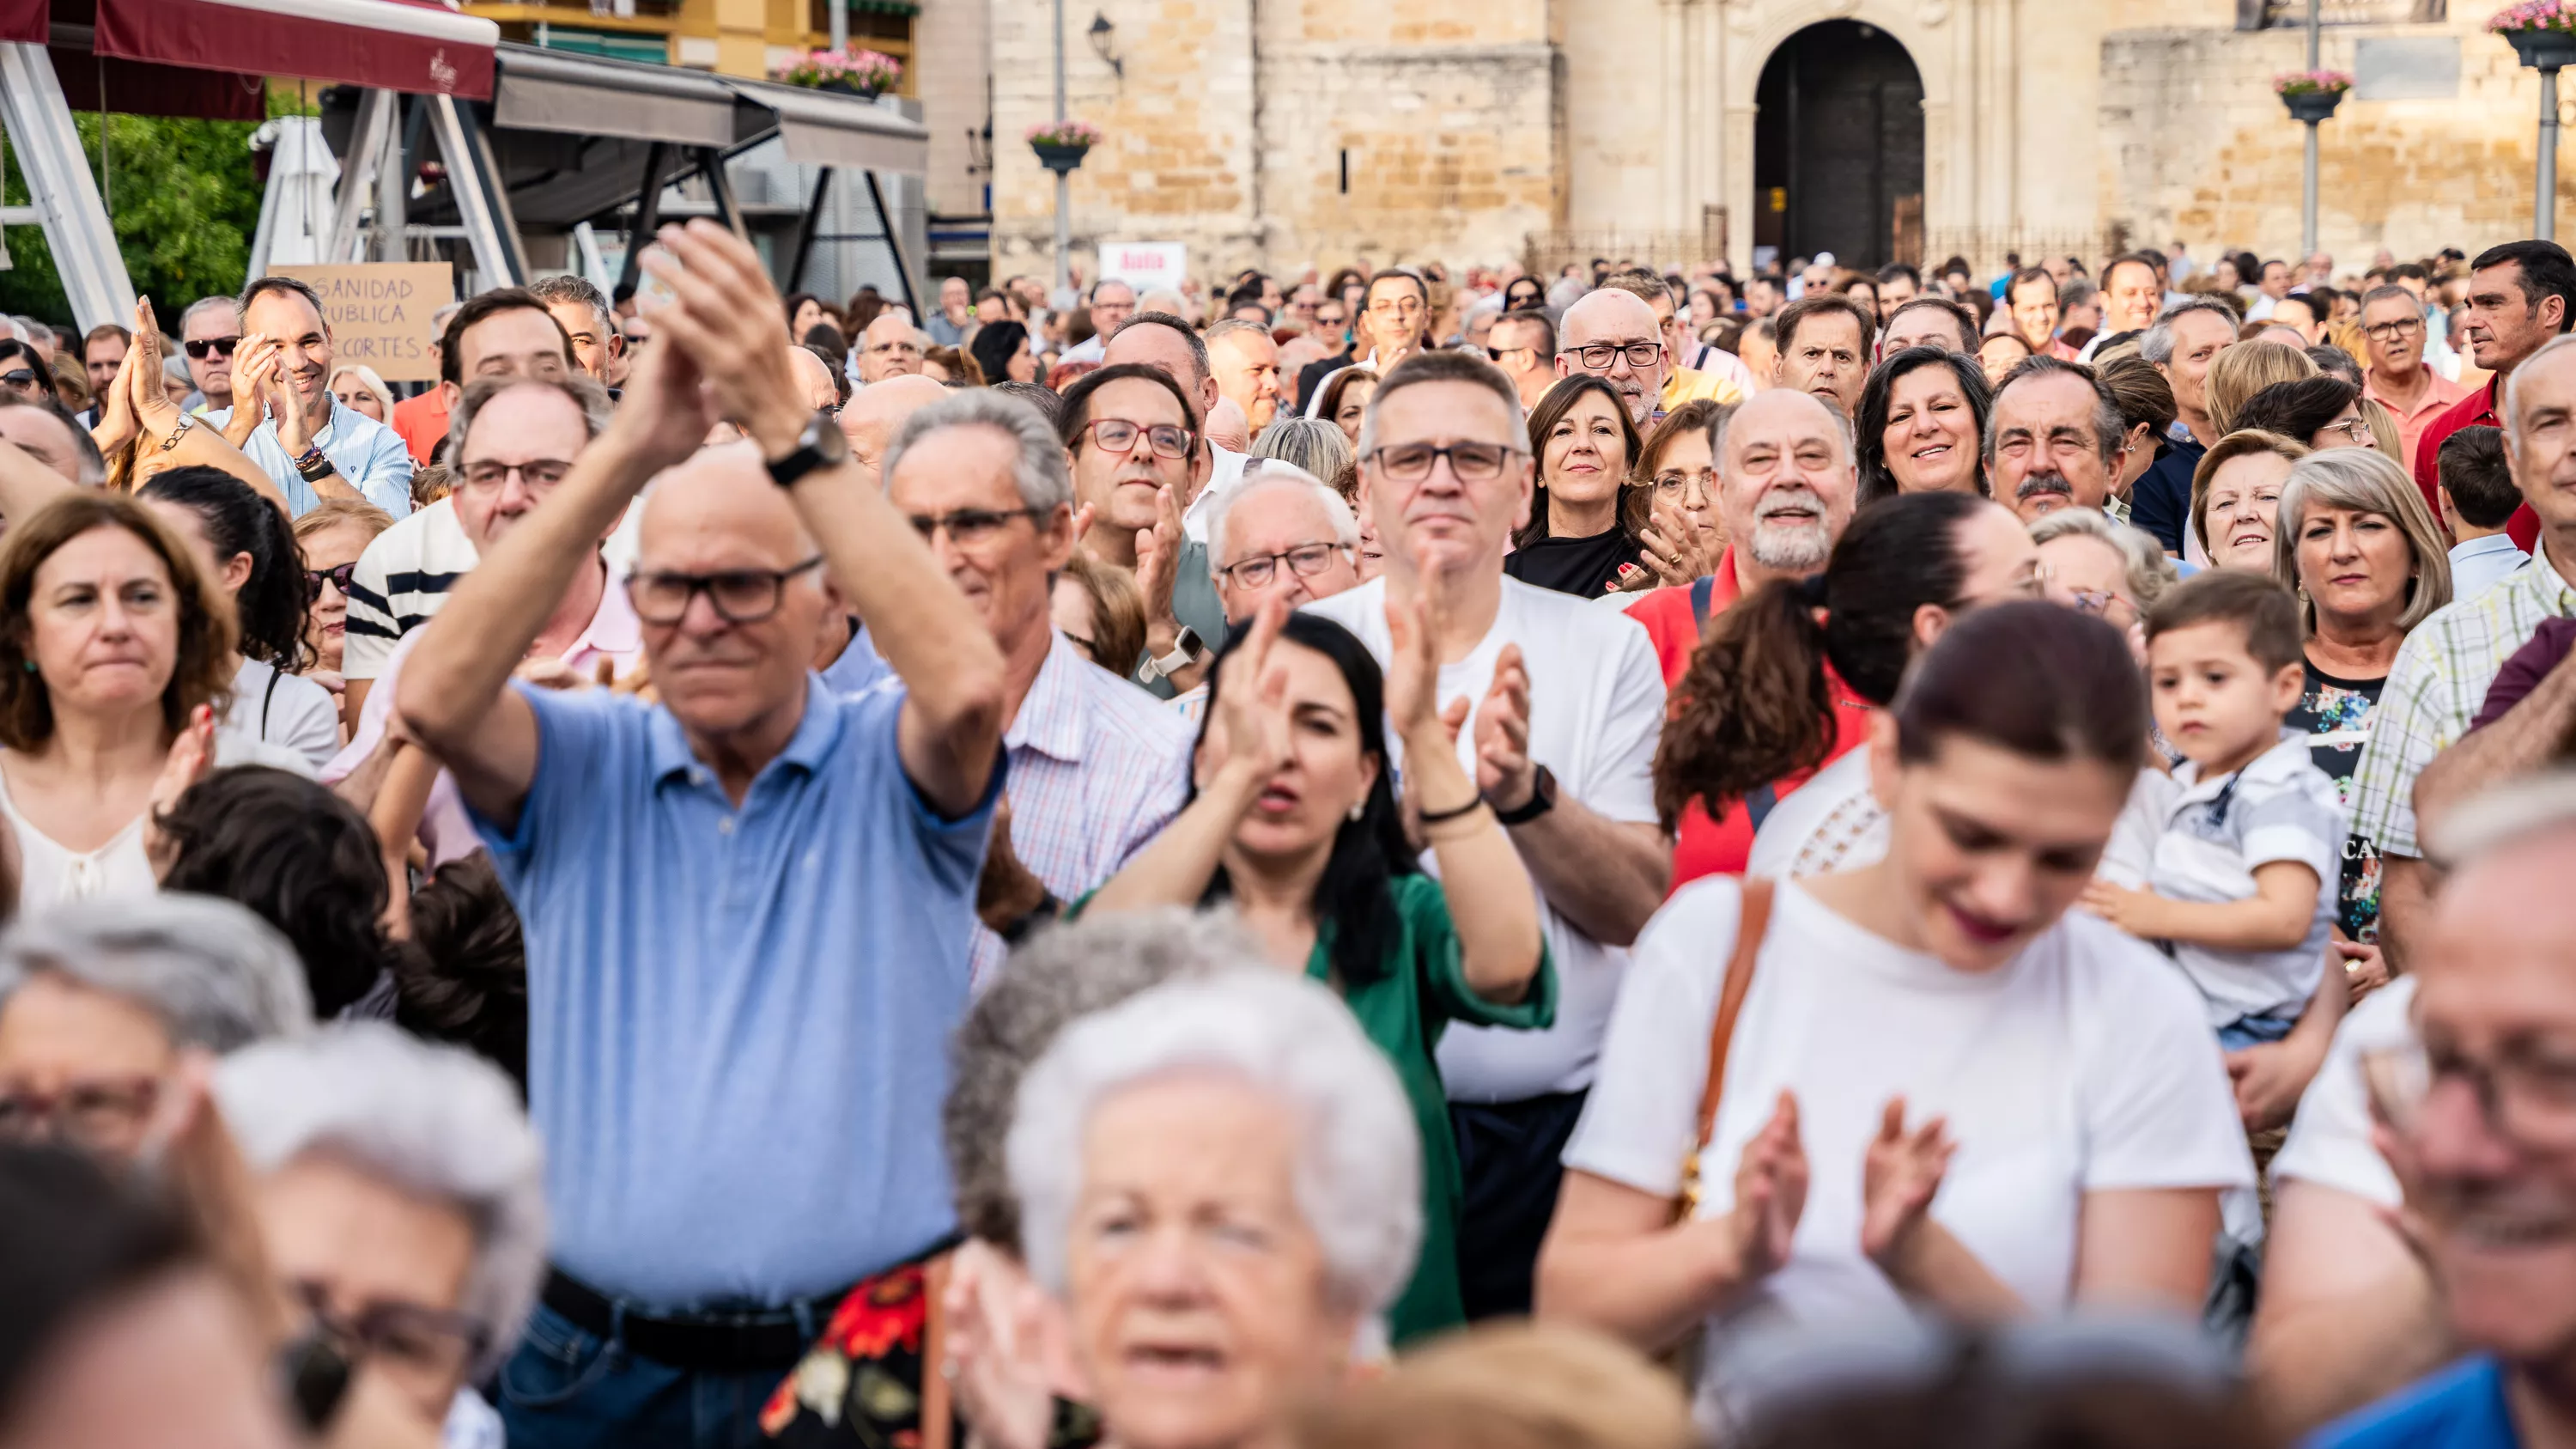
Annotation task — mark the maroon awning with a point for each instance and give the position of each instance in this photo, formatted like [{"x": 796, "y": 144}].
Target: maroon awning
[
  {"x": 23, "y": 20},
  {"x": 396, "y": 45}
]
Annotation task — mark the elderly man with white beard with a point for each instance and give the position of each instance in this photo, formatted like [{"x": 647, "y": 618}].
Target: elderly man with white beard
[{"x": 2053, "y": 439}]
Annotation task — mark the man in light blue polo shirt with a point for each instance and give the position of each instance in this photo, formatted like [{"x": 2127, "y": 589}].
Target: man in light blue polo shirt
[
  {"x": 308, "y": 441},
  {"x": 748, "y": 908}
]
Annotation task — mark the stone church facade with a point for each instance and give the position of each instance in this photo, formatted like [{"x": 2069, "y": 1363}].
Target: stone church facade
[{"x": 1289, "y": 133}]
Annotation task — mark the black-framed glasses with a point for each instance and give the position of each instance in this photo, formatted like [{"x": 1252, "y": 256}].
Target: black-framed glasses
[
  {"x": 1600, "y": 355},
  {"x": 739, "y": 596},
  {"x": 1305, "y": 560},
  {"x": 535, "y": 473},
  {"x": 2527, "y": 1094},
  {"x": 968, "y": 527},
  {"x": 1499, "y": 353},
  {"x": 419, "y": 1346},
  {"x": 1472, "y": 462},
  {"x": 338, "y": 578},
  {"x": 1117, "y": 435},
  {"x": 201, "y": 347}
]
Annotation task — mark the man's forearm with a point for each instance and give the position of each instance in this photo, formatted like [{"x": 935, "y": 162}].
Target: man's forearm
[
  {"x": 1606, "y": 876},
  {"x": 466, "y": 654},
  {"x": 2527, "y": 738}
]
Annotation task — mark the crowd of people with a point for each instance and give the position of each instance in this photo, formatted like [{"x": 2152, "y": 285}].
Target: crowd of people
[{"x": 1628, "y": 859}]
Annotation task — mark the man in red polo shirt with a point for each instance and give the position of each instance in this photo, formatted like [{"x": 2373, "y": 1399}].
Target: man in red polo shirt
[
  {"x": 1786, "y": 485},
  {"x": 2521, "y": 294}
]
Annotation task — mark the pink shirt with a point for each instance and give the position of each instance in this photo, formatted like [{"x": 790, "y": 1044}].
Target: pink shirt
[
  {"x": 2411, "y": 425},
  {"x": 615, "y": 634}
]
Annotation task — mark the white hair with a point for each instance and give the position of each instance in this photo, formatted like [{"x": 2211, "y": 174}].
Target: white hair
[
  {"x": 215, "y": 975},
  {"x": 1273, "y": 474},
  {"x": 433, "y": 1120},
  {"x": 2513, "y": 384},
  {"x": 1040, "y": 473},
  {"x": 1359, "y": 1160}
]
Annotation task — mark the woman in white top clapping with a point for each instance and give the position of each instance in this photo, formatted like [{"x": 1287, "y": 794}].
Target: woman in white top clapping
[
  {"x": 115, "y": 655},
  {"x": 1943, "y": 1090}
]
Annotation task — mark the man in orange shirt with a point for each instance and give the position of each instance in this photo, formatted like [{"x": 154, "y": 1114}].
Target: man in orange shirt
[
  {"x": 2395, "y": 376},
  {"x": 422, "y": 421}
]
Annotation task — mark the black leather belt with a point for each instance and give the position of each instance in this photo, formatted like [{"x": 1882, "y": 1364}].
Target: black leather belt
[{"x": 717, "y": 1341}]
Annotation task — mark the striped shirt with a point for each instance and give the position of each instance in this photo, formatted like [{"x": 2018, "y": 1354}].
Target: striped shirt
[
  {"x": 1097, "y": 768},
  {"x": 2434, "y": 690},
  {"x": 400, "y": 582}
]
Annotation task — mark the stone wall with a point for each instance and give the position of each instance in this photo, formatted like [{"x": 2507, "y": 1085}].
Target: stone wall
[{"x": 2196, "y": 147}]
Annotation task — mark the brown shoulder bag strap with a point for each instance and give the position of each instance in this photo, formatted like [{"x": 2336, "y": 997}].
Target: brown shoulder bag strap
[{"x": 1752, "y": 921}]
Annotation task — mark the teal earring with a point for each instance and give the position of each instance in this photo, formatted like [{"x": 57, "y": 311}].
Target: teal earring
[{"x": 31, "y": 666}]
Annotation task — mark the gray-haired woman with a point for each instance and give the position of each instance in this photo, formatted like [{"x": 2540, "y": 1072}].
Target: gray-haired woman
[
  {"x": 1220, "y": 1180},
  {"x": 398, "y": 1190}
]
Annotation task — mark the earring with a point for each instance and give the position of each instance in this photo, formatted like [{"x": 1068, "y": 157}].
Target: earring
[
  {"x": 31, "y": 666},
  {"x": 1357, "y": 810}
]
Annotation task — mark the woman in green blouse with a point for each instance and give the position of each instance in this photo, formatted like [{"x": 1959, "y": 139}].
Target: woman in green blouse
[{"x": 1294, "y": 821}]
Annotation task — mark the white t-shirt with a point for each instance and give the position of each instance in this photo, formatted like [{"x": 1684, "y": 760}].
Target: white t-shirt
[
  {"x": 294, "y": 714},
  {"x": 50, "y": 873},
  {"x": 1596, "y": 710},
  {"x": 2330, "y": 1138},
  {"x": 2081, "y": 1065}
]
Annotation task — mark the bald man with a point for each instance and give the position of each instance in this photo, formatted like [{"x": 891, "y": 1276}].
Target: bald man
[
  {"x": 752, "y": 849},
  {"x": 890, "y": 347},
  {"x": 814, "y": 384},
  {"x": 1615, "y": 336}
]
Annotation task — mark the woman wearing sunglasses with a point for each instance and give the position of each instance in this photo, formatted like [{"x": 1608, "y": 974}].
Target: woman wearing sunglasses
[
  {"x": 332, "y": 536},
  {"x": 24, "y": 371}
]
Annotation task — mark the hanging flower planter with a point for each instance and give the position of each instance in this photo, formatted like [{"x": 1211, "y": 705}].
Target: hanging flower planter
[
  {"x": 864, "y": 73},
  {"x": 2542, "y": 32},
  {"x": 1061, "y": 145},
  {"x": 2311, "y": 95}
]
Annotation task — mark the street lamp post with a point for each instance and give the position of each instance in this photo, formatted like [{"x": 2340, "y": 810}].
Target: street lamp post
[
  {"x": 2545, "y": 50},
  {"x": 1064, "y": 177},
  {"x": 2308, "y": 167}
]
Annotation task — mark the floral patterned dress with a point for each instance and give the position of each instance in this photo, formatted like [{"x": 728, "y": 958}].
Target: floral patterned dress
[{"x": 2337, "y": 714}]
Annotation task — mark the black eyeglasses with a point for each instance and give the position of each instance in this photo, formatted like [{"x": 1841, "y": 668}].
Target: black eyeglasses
[
  {"x": 535, "y": 473},
  {"x": 419, "y": 1345},
  {"x": 219, "y": 346},
  {"x": 1601, "y": 355},
  {"x": 1306, "y": 560},
  {"x": 968, "y": 527},
  {"x": 1472, "y": 462},
  {"x": 1116, "y": 435},
  {"x": 337, "y": 578},
  {"x": 739, "y": 596}
]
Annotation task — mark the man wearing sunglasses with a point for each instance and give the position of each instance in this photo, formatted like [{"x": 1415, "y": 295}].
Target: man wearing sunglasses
[
  {"x": 773, "y": 883},
  {"x": 1566, "y": 703},
  {"x": 209, "y": 331},
  {"x": 2476, "y": 1106},
  {"x": 1097, "y": 767}
]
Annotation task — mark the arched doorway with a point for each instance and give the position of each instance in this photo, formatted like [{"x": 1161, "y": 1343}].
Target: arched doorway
[{"x": 1838, "y": 147}]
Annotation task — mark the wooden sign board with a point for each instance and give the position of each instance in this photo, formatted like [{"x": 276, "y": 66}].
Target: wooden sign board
[{"x": 380, "y": 313}]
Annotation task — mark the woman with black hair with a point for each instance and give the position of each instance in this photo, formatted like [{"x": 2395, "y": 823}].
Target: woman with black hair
[
  {"x": 1293, "y": 819},
  {"x": 1001, "y": 349},
  {"x": 1926, "y": 1084},
  {"x": 23, "y": 370},
  {"x": 1774, "y": 702},
  {"x": 1922, "y": 425},
  {"x": 1586, "y": 513},
  {"x": 249, "y": 552},
  {"x": 300, "y": 858}
]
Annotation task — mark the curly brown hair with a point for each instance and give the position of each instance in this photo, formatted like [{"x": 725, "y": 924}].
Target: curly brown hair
[{"x": 202, "y": 673}]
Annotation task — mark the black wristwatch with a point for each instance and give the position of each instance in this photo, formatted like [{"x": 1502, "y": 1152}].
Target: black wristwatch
[
  {"x": 1542, "y": 799},
  {"x": 821, "y": 445}
]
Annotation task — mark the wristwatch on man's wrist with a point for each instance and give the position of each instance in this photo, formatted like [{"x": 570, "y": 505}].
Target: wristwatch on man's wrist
[
  {"x": 1185, "y": 650},
  {"x": 1542, "y": 799},
  {"x": 821, "y": 445}
]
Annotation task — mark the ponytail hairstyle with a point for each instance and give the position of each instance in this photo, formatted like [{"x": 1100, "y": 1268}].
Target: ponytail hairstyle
[
  {"x": 1354, "y": 907},
  {"x": 1755, "y": 706},
  {"x": 2037, "y": 679},
  {"x": 270, "y": 606}
]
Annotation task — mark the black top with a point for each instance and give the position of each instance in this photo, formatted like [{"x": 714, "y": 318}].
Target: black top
[{"x": 1584, "y": 567}]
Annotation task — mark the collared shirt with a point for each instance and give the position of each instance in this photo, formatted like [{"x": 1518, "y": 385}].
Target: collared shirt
[
  {"x": 2411, "y": 422},
  {"x": 2216, "y": 832},
  {"x": 1225, "y": 470},
  {"x": 2434, "y": 690},
  {"x": 2473, "y": 410},
  {"x": 367, "y": 455},
  {"x": 1098, "y": 768},
  {"x": 738, "y": 1015},
  {"x": 2479, "y": 563},
  {"x": 2459, "y": 1407},
  {"x": 613, "y": 634}
]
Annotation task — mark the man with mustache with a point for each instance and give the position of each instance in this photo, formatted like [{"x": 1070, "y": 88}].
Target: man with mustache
[
  {"x": 1559, "y": 707},
  {"x": 2053, "y": 438},
  {"x": 2479, "y": 1128}
]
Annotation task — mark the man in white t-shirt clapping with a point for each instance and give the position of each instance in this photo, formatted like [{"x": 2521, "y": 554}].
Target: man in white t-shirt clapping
[{"x": 1561, "y": 704}]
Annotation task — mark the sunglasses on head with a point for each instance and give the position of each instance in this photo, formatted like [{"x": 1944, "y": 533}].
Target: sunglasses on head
[{"x": 219, "y": 346}]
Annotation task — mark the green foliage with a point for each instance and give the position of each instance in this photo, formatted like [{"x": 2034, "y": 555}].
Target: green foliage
[{"x": 182, "y": 196}]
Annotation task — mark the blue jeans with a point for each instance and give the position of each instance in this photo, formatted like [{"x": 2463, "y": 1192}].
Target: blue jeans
[
  {"x": 2246, "y": 1031},
  {"x": 568, "y": 1389}
]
